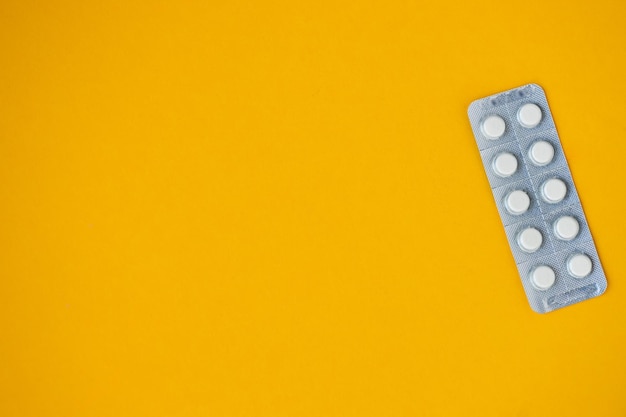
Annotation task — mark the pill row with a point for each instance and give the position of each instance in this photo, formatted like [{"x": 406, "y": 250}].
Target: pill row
[
  {"x": 553, "y": 191},
  {"x": 579, "y": 266},
  {"x": 565, "y": 228},
  {"x": 505, "y": 164},
  {"x": 529, "y": 116}
]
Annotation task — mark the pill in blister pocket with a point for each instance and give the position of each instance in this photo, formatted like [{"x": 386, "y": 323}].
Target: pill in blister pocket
[
  {"x": 493, "y": 127},
  {"x": 529, "y": 115},
  {"x": 530, "y": 240},
  {"x": 517, "y": 202},
  {"x": 541, "y": 153},
  {"x": 554, "y": 190},
  {"x": 505, "y": 164},
  {"x": 542, "y": 277},
  {"x": 566, "y": 228},
  {"x": 579, "y": 265}
]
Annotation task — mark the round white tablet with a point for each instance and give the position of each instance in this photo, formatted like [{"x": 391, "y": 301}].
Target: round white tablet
[
  {"x": 493, "y": 127},
  {"x": 517, "y": 202},
  {"x": 529, "y": 115},
  {"x": 530, "y": 240},
  {"x": 566, "y": 228},
  {"x": 542, "y": 277},
  {"x": 579, "y": 265},
  {"x": 553, "y": 191},
  {"x": 505, "y": 164},
  {"x": 541, "y": 153}
]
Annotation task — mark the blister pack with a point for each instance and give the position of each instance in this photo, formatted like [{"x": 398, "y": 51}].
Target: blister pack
[{"x": 536, "y": 198}]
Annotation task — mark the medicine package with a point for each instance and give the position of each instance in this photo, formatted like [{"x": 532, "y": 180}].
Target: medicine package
[{"x": 536, "y": 197}]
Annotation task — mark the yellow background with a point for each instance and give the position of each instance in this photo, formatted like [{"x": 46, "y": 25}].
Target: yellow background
[{"x": 278, "y": 209}]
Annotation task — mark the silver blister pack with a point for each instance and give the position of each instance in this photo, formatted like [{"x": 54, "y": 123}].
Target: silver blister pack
[{"x": 536, "y": 197}]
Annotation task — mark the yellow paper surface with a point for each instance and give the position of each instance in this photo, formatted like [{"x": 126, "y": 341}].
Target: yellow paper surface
[{"x": 277, "y": 208}]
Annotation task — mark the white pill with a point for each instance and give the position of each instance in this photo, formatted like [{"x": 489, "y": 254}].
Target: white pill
[
  {"x": 505, "y": 164},
  {"x": 542, "y": 277},
  {"x": 517, "y": 202},
  {"x": 566, "y": 228},
  {"x": 553, "y": 191},
  {"x": 529, "y": 115},
  {"x": 530, "y": 240},
  {"x": 493, "y": 127},
  {"x": 541, "y": 153},
  {"x": 579, "y": 265}
]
